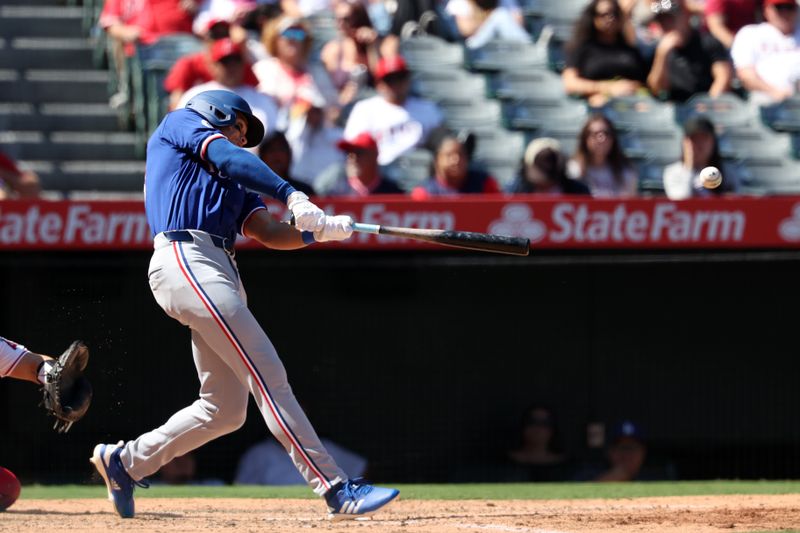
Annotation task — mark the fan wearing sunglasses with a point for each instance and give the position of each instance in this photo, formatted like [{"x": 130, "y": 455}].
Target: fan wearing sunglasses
[{"x": 285, "y": 75}]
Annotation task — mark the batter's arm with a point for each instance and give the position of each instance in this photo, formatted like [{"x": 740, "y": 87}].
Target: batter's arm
[{"x": 271, "y": 233}]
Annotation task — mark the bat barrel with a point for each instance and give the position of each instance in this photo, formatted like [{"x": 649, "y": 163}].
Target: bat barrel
[{"x": 485, "y": 242}]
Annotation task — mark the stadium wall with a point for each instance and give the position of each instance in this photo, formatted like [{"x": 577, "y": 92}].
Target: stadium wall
[{"x": 429, "y": 359}]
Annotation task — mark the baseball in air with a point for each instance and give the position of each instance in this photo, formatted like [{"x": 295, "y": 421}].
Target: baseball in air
[{"x": 711, "y": 176}]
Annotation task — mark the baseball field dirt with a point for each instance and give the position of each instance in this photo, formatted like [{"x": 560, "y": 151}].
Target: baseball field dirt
[{"x": 674, "y": 514}]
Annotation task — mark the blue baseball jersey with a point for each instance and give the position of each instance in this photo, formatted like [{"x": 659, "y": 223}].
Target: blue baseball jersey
[{"x": 183, "y": 190}]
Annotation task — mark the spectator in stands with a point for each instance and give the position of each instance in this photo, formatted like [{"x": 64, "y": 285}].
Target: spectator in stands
[
  {"x": 766, "y": 55},
  {"x": 360, "y": 175},
  {"x": 286, "y": 73},
  {"x": 724, "y": 18},
  {"x": 452, "y": 171},
  {"x": 132, "y": 22},
  {"x": 350, "y": 57},
  {"x": 626, "y": 458},
  {"x": 16, "y": 182},
  {"x": 538, "y": 455},
  {"x": 275, "y": 151},
  {"x": 399, "y": 122},
  {"x": 182, "y": 470},
  {"x": 686, "y": 61},
  {"x": 267, "y": 463},
  {"x": 602, "y": 62},
  {"x": 194, "y": 69},
  {"x": 228, "y": 71},
  {"x": 600, "y": 163},
  {"x": 544, "y": 170},
  {"x": 480, "y": 21},
  {"x": 306, "y": 8},
  {"x": 312, "y": 138},
  {"x": 700, "y": 149}
]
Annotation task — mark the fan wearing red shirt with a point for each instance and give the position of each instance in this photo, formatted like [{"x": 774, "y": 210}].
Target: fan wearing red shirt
[
  {"x": 725, "y": 17},
  {"x": 194, "y": 69}
]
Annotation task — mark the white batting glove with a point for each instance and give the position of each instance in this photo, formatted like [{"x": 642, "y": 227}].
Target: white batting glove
[
  {"x": 335, "y": 228},
  {"x": 307, "y": 216}
]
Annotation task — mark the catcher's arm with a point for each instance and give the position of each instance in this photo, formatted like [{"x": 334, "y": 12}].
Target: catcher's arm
[
  {"x": 28, "y": 367},
  {"x": 66, "y": 391}
]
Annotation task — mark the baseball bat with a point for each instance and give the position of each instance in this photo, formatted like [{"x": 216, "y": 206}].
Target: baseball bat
[{"x": 482, "y": 242}]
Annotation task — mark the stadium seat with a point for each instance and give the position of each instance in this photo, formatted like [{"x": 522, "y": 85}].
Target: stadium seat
[
  {"x": 474, "y": 116},
  {"x": 425, "y": 53},
  {"x": 534, "y": 84},
  {"x": 500, "y": 55},
  {"x": 783, "y": 116},
  {"x": 499, "y": 145},
  {"x": 534, "y": 115},
  {"x": 725, "y": 111},
  {"x": 640, "y": 113},
  {"x": 755, "y": 144},
  {"x": 449, "y": 85},
  {"x": 661, "y": 146},
  {"x": 782, "y": 177},
  {"x": 410, "y": 169}
]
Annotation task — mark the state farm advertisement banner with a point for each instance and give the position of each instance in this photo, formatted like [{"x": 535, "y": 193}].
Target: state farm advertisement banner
[{"x": 549, "y": 223}]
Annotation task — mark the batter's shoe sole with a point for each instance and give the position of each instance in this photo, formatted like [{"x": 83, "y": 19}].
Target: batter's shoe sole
[
  {"x": 120, "y": 485},
  {"x": 356, "y": 499}
]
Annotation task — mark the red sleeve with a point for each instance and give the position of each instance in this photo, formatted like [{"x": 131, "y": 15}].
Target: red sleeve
[
  {"x": 6, "y": 163},
  {"x": 250, "y": 77},
  {"x": 111, "y": 14},
  {"x": 490, "y": 185},
  {"x": 182, "y": 75},
  {"x": 713, "y": 7}
]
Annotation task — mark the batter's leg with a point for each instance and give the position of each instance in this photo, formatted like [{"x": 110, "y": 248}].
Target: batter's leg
[
  {"x": 221, "y": 409},
  {"x": 242, "y": 343}
]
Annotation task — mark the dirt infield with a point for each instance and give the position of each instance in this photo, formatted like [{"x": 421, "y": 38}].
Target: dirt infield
[{"x": 663, "y": 515}]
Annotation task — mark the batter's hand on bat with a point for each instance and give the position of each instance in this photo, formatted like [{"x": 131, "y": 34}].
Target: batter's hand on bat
[
  {"x": 335, "y": 228},
  {"x": 307, "y": 216}
]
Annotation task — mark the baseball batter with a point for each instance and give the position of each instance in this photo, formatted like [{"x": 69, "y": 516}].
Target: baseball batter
[
  {"x": 67, "y": 393},
  {"x": 197, "y": 199}
]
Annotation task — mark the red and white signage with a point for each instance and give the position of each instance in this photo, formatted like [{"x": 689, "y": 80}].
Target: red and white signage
[{"x": 550, "y": 223}]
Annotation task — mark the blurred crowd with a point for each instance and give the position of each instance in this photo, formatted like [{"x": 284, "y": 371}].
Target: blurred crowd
[{"x": 341, "y": 114}]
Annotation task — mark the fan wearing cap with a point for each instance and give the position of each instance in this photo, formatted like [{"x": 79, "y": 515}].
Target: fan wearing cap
[
  {"x": 286, "y": 75},
  {"x": 767, "y": 55},
  {"x": 228, "y": 70},
  {"x": 544, "y": 170},
  {"x": 360, "y": 175},
  {"x": 194, "y": 69},
  {"x": 626, "y": 453},
  {"x": 686, "y": 61},
  {"x": 452, "y": 170},
  {"x": 398, "y": 121},
  {"x": 699, "y": 149}
]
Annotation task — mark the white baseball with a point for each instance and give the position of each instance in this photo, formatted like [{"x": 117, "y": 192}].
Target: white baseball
[{"x": 711, "y": 176}]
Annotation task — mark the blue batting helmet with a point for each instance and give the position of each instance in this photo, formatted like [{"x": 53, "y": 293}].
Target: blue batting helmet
[{"x": 219, "y": 108}]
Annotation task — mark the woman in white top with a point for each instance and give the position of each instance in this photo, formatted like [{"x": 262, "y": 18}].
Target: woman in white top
[
  {"x": 600, "y": 163},
  {"x": 286, "y": 75},
  {"x": 700, "y": 149}
]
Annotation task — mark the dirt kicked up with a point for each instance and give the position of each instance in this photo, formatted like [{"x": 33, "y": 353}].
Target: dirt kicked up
[{"x": 664, "y": 515}]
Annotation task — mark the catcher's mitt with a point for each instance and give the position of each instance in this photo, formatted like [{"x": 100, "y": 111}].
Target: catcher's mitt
[{"x": 67, "y": 392}]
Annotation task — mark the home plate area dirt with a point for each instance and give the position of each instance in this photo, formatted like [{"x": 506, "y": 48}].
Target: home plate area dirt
[{"x": 664, "y": 515}]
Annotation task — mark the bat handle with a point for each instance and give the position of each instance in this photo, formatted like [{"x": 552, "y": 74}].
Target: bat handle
[{"x": 366, "y": 228}]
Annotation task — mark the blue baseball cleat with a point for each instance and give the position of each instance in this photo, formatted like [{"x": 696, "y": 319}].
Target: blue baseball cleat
[
  {"x": 120, "y": 485},
  {"x": 355, "y": 498}
]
